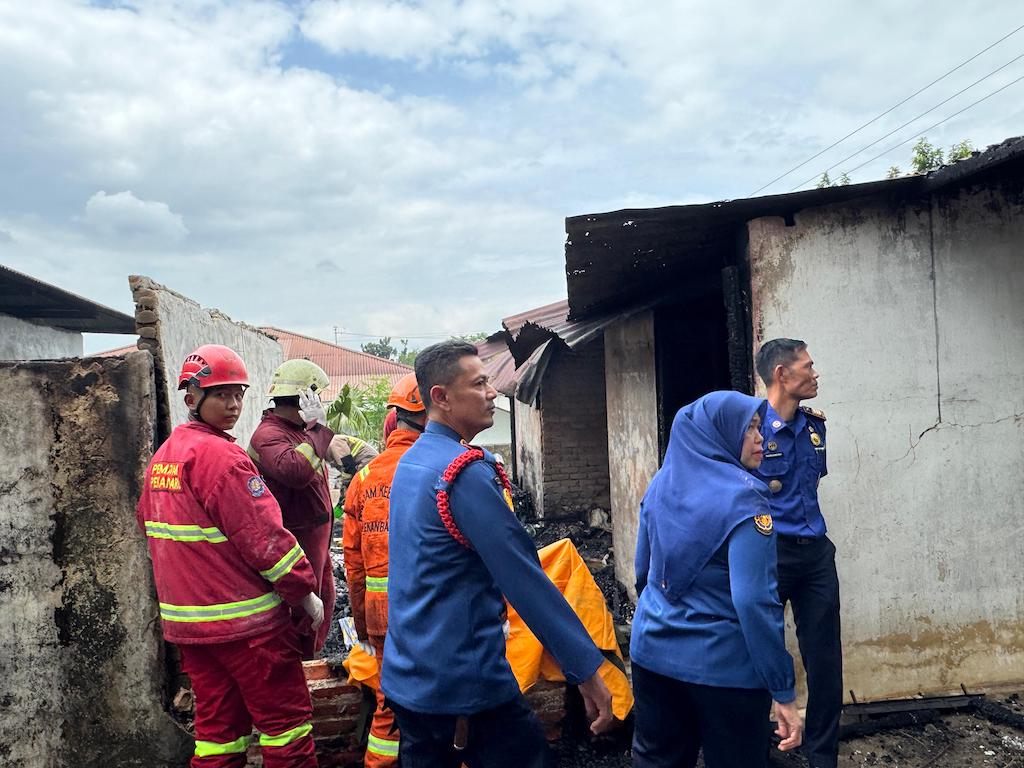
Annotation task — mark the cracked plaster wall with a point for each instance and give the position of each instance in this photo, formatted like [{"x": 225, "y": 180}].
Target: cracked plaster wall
[
  {"x": 632, "y": 393},
  {"x": 176, "y": 326},
  {"x": 80, "y": 651},
  {"x": 913, "y": 315}
]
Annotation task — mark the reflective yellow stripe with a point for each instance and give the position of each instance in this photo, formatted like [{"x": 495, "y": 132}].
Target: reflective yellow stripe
[
  {"x": 157, "y": 530},
  {"x": 284, "y": 565},
  {"x": 385, "y": 747},
  {"x": 306, "y": 450},
  {"x": 219, "y": 611},
  {"x": 287, "y": 737},
  {"x": 376, "y": 583},
  {"x": 364, "y": 472},
  {"x": 208, "y": 748}
]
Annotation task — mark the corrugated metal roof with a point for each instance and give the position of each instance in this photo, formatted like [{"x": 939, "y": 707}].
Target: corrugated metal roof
[
  {"x": 30, "y": 299},
  {"x": 517, "y": 357},
  {"x": 342, "y": 365},
  {"x": 498, "y": 362},
  {"x": 616, "y": 259}
]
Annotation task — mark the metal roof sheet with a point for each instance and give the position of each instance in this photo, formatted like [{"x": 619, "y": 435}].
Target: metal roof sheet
[
  {"x": 615, "y": 259},
  {"x": 33, "y": 300}
]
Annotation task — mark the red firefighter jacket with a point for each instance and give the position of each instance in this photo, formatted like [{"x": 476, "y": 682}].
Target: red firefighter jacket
[
  {"x": 365, "y": 536},
  {"x": 293, "y": 460},
  {"x": 224, "y": 565}
]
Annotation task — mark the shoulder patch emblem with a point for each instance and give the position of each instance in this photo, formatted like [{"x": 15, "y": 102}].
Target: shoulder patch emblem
[
  {"x": 256, "y": 486},
  {"x": 815, "y": 439},
  {"x": 764, "y": 525},
  {"x": 813, "y": 412}
]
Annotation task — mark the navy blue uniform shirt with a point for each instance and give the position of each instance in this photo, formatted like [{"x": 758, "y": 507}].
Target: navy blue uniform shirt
[
  {"x": 794, "y": 461},
  {"x": 727, "y": 629},
  {"x": 445, "y": 651}
]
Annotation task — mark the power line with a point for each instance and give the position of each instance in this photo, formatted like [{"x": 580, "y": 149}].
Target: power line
[
  {"x": 890, "y": 109},
  {"x": 400, "y": 336},
  {"x": 936, "y": 125},
  {"x": 913, "y": 119}
]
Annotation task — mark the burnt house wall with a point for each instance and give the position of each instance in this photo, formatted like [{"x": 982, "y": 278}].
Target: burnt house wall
[
  {"x": 574, "y": 426},
  {"x": 80, "y": 650},
  {"x": 913, "y": 315}
]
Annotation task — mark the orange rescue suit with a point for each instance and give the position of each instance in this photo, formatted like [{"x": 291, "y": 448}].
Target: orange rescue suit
[{"x": 365, "y": 536}]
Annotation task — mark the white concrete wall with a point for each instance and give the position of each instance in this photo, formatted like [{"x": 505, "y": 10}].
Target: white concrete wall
[
  {"x": 632, "y": 401},
  {"x": 529, "y": 448},
  {"x": 499, "y": 433},
  {"x": 20, "y": 340},
  {"x": 182, "y": 325},
  {"x": 921, "y": 359}
]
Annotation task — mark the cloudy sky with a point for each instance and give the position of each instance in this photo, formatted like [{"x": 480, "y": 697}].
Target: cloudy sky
[{"x": 405, "y": 168}]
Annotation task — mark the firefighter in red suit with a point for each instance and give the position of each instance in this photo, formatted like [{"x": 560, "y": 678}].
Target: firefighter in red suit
[
  {"x": 226, "y": 571},
  {"x": 292, "y": 446}
]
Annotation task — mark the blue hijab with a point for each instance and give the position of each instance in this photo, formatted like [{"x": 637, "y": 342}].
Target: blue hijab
[{"x": 702, "y": 491}]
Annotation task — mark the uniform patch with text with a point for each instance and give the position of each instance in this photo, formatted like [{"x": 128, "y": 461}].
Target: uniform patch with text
[{"x": 165, "y": 476}]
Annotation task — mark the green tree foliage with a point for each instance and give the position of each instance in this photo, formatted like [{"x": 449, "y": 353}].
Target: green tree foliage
[
  {"x": 960, "y": 151},
  {"x": 926, "y": 157},
  {"x": 824, "y": 181},
  {"x": 472, "y": 338},
  {"x": 893, "y": 172},
  {"x": 361, "y": 411},
  {"x": 384, "y": 348},
  {"x": 844, "y": 179}
]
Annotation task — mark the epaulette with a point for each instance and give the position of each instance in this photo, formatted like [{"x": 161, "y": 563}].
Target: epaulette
[{"x": 813, "y": 412}]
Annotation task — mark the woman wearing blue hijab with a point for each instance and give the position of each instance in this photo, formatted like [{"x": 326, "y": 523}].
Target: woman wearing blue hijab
[{"x": 708, "y": 650}]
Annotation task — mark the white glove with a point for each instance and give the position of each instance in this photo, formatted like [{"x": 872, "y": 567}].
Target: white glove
[
  {"x": 506, "y": 628},
  {"x": 310, "y": 407},
  {"x": 368, "y": 649},
  {"x": 314, "y": 606}
]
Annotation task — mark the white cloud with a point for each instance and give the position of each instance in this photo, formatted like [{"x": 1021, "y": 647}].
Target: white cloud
[
  {"x": 444, "y": 141},
  {"x": 124, "y": 215}
]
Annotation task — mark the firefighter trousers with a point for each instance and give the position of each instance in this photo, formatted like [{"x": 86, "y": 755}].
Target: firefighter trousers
[
  {"x": 382, "y": 744},
  {"x": 256, "y": 681},
  {"x": 316, "y": 544}
]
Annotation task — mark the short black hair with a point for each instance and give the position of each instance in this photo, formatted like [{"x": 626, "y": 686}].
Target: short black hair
[
  {"x": 292, "y": 400},
  {"x": 439, "y": 364},
  {"x": 776, "y": 352}
]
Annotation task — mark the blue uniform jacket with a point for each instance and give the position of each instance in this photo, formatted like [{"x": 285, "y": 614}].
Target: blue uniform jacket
[
  {"x": 727, "y": 629},
  {"x": 445, "y": 651},
  {"x": 794, "y": 461}
]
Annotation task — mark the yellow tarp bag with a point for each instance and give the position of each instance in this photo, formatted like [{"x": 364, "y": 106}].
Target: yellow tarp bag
[
  {"x": 361, "y": 668},
  {"x": 529, "y": 661}
]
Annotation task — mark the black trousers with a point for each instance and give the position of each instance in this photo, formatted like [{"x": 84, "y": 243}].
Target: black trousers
[
  {"x": 808, "y": 580},
  {"x": 675, "y": 720},
  {"x": 507, "y": 736}
]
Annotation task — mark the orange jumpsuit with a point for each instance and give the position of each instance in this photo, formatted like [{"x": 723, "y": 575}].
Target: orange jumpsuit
[{"x": 365, "y": 539}]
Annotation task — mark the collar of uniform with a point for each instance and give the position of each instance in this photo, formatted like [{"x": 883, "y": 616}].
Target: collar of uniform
[
  {"x": 771, "y": 417},
  {"x": 202, "y": 426},
  {"x": 270, "y": 415},
  {"x": 436, "y": 428},
  {"x": 401, "y": 437}
]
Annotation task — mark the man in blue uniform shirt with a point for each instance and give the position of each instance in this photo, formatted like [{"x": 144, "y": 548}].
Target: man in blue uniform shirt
[
  {"x": 794, "y": 461},
  {"x": 455, "y": 549}
]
